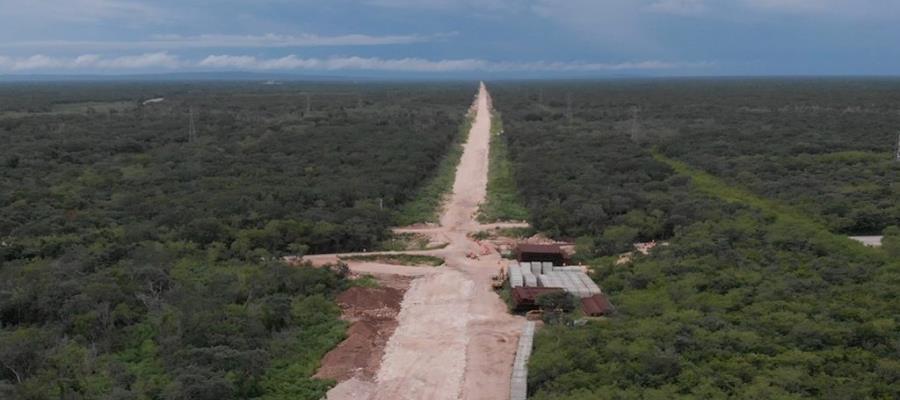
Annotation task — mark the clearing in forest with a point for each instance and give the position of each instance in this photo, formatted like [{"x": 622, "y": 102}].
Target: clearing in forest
[{"x": 454, "y": 338}]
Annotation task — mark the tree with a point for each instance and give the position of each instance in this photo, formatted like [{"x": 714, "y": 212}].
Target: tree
[
  {"x": 22, "y": 352},
  {"x": 891, "y": 241},
  {"x": 559, "y": 300}
]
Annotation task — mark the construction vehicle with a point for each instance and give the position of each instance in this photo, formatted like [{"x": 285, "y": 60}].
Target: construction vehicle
[{"x": 498, "y": 279}]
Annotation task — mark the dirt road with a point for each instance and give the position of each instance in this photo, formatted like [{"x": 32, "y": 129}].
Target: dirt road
[{"x": 455, "y": 339}]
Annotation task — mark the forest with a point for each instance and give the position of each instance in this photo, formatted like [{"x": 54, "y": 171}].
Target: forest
[
  {"x": 825, "y": 146},
  {"x": 141, "y": 241},
  {"x": 751, "y": 187}
]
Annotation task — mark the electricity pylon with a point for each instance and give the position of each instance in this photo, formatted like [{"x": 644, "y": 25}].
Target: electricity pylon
[
  {"x": 192, "y": 128},
  {"x": 897, "y": 157}
]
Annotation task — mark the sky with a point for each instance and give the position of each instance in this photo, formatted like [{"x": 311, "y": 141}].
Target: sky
[{"x": 454, "y": 38}]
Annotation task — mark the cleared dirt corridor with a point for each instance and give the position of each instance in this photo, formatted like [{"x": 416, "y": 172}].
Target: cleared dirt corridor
[{"x": 454, "y": 339}]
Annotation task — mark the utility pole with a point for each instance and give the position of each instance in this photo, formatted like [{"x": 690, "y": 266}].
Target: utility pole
[
  {"x": 897, "y": 157},
  {"x": 634, "y": 123},
  {"x": 192, "y": 128}
]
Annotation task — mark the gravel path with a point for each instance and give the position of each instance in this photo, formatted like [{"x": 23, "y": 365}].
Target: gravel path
[{"x": 455, "y": 339}]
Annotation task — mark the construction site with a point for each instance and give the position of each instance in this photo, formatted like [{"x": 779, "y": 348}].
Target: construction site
[{"x": 451, "y": 315}]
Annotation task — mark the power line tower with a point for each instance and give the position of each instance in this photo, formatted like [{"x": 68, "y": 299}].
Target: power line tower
[
  {"x": 897, "y": 157},
  {"x": 635, "y": 124},
  {"x": 192, "y": 128}
]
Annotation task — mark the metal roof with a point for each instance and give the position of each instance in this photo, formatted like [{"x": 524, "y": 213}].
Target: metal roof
[
  {"x": 596, "y": 305},
  {"x": 539, "y": 248},
  {"x": 530, "y": 294}
]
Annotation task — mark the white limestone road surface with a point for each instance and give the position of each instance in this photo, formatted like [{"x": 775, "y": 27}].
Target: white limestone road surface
[{"x": 455, "y": 338}]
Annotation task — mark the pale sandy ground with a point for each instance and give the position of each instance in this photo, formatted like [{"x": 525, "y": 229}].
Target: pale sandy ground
[
  {"x": 874, "y": 241},
  {"x": 455, "y": 339}
]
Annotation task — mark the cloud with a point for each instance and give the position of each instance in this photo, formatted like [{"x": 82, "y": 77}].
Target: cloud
[
  {"x": 271, "y": 40},
  {"x": 79, "y": 11},
  {"x": 294, "y": 62},
  {"x": 166, "y": 61},
  {"x": 444, "y": 4},
  {"x": 678, "y": 7},
  {"x": 91, "y": 62},
  {"x": 617, "y": 25},
  {"x": 837, "y": 9}
]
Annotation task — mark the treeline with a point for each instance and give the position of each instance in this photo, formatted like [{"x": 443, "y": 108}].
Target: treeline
[
  {"x": 140, "y": 261},
  {"x": 261, "y": 175},
  {"x": 743, "y": 301},
  {"x": 822, "y": 145},
  {"x": 586, "y": 180},
  {"x": 740, "y": 305}
]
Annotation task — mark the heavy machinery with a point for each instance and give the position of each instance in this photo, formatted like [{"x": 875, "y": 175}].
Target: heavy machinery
[{"x": 498, "y": 279}]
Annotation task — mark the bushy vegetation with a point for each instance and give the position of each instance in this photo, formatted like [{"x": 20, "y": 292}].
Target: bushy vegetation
[
  {"x": 502, "y": 202},
  {"x": 822, "y": 145},
  {"x": 755, "y": 295},
  {"x": 138, "y": 262},
  {"x": 590, "y": 183},
  {"x": 425, "y": 206},
  {"x": 399, "y": 259},
  {"x": 737, "y": 306}
]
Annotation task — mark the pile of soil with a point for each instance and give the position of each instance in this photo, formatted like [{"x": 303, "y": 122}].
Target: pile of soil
[{"x": 373, "y": 316}]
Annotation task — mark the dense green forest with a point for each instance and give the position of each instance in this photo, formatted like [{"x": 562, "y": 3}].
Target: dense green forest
[
  {"x": 757, "y": 293},
  {"x": 139, "y": 259},
  {"x": 822, "y": 145}
]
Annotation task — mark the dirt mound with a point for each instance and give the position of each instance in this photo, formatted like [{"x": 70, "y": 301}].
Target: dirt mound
[
  {"x": 373, "y": 313},
  {"x": 370, "y": 303}
]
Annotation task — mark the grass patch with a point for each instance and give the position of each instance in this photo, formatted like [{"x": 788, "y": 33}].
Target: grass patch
[
  {"x": 794, "y": 222},
  {"x": 502, "y": 202},
  {"x": 480, "y": 235},
  {"x": 365, "y": 281},
  {"x": 517, "y": 233},
  {"x": 399, "y": 259},
  {"x": 409, "y": 242},
  {"x": 505, "y": 293},
  {"x": 426, "y": 206}
]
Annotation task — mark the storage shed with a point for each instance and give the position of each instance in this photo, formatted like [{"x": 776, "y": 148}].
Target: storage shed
[
  {"x": 597, "y": 305},
  {"x": 552, "y": 253}
]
